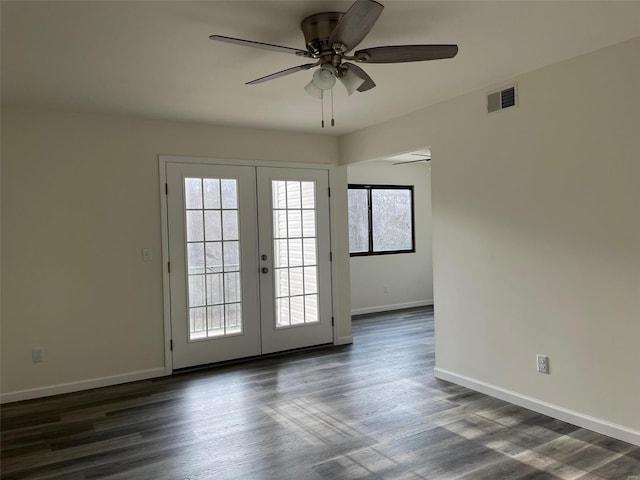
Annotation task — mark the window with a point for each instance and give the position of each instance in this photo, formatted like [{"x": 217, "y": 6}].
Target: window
[{"x": 380, "y": 219}]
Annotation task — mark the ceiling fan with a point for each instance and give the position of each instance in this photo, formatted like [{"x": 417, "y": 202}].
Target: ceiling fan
[
  {"x": 420, "y": 155},
  {"x": 330, "y": 36},
  {"x": 423, "y": 158}
]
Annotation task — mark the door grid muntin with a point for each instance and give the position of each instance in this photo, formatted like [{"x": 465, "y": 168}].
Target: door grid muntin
[
  {"x": 213, "y": 257},
  {"x": 295, "y": 253}
]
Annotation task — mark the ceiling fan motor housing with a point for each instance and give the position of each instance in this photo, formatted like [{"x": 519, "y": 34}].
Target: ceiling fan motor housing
[{"x": 317, "y": 30}]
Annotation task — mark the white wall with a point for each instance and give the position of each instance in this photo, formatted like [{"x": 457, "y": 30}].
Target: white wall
[
  {"x": 80, "y": 198},
  {"x": 408, "y": 276},
  {"x": 536, "y": 231}
]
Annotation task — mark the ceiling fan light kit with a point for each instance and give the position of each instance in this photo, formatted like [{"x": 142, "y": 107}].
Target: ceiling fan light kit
[
  {"x": 325, "y": 77},
  {"x": 313, "y": 90},
  {"x": 329, "y": 37},
  {"x": 351, "y": 81}
]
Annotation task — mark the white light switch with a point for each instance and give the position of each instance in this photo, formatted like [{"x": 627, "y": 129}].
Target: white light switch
[
  {"x": 37, "y": 354},
  {"x": 146, "y": 255}
]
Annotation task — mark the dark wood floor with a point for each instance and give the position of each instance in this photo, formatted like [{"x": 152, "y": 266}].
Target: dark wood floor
[{"x": 371, "y": 410}]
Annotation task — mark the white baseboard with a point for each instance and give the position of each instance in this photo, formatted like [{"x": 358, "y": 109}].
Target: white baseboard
[
  {"x": 348, "y": 340},
  {"x": 570, "y": 416},
  {"x": 81, "y": 385},
  {"x": 387, "y": 308}
]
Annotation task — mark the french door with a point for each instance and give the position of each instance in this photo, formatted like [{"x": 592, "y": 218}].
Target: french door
[{"x": 249, "y": 261}]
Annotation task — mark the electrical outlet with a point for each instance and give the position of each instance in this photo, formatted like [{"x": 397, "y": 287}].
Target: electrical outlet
[
  {"x": 385, "y": 288},
  {"x": 37, "y": 354},
  {"x": 146, "y": 255},
  {"x": 543, "y": 363}
]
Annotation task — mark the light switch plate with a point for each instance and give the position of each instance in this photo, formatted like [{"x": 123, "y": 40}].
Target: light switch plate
[{"x": 37, "y": 354}]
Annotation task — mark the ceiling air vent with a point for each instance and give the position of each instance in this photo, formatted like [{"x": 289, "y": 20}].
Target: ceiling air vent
[{"x": 502, "y": 99}]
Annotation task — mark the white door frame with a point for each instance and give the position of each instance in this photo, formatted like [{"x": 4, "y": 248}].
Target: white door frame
[{"x": 162, "y": 163}]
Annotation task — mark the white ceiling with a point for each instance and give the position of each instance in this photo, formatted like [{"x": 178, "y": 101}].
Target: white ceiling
[{"x": 154, "y": 59}]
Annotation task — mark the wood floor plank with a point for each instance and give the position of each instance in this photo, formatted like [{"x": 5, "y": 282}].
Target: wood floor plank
[{"x": 369, "y": 410}]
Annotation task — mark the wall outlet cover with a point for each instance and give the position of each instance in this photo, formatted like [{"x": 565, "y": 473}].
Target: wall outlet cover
[{"x": 542, "y": 362}]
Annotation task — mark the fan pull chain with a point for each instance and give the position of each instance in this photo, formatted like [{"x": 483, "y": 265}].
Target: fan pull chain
[
  {"x": 322, "y": 106},
  {"x": 333, "y": 122}
]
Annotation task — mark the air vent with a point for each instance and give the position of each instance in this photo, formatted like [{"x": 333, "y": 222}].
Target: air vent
[{"x": 502, "y": 99}]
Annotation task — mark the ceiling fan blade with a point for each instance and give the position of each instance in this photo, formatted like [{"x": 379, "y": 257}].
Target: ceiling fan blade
[
  {"x": 412, "y": 161},
  {"x": 355, "y": 24},
  {"x": 406, "y": 53},
  {"x": 264, "y": 46},
  {"x": 368, "y": 83},
  {"x": 282, "y": 73}
]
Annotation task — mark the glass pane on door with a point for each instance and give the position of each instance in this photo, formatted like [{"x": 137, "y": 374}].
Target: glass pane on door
[
  {"x": 295, "y": 249},
  {"x": 213, "y": 257}
]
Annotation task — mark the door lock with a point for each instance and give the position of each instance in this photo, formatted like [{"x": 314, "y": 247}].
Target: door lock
[
  {"x": 263, "y": 257},
  {"x": 265, "y": 270}
]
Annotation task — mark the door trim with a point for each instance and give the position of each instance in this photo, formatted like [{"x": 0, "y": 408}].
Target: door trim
[{"x": 163, "y": 160}]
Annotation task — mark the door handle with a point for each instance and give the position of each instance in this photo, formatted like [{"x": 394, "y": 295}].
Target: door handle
[{"x": 265, "y": 270}]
